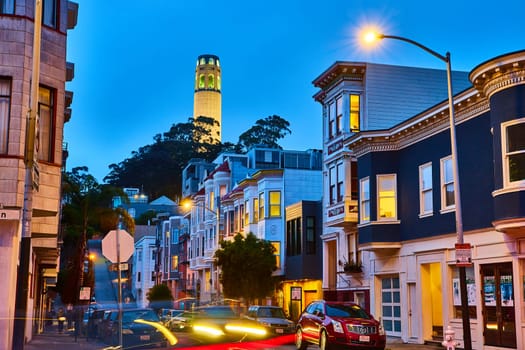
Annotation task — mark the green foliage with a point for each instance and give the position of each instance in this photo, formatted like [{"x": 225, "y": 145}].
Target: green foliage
[
  {"x": 157, "y": 168},
  {"x": 246, "y": 267},
  {"x": 267, "y": 131},
  {"x": 86, "y": 211},
  {"x": 159, "y": 292}
]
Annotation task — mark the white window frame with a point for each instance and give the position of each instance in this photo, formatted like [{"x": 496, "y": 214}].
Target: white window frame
[
  {"x": 444, "y": 184},
  {"x": 364, "y": 200},
  {"x": 424, "y": 191},
  {"x": 378, "y": 192},
  {"x": 505, "y": 155}
]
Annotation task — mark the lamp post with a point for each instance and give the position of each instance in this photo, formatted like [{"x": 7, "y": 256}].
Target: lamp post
[{"x": 457, "y": 198}]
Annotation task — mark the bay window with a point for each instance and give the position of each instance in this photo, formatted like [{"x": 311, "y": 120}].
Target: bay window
[
  {"x": 364, "y": 200},
  {"x": 386, "y": 197},
  {"x": 425, "y": 189},
  {"x": 513, "y": 152},
  {"x": 447, "y": 184}
]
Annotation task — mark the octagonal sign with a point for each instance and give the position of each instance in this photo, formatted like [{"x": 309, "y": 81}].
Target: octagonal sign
[{"x": 109, "y": 246}]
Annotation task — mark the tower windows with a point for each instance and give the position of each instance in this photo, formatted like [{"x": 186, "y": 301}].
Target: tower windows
[
  {"x": 201, "y": 81},
  {"x": 211, "y": 81}
]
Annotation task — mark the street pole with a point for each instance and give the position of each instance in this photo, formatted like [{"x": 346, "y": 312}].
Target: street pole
[
  {"x": 119, "y": 298},
  {"x": 30, "y": 157},
  {"x": 457, "y": 198}
]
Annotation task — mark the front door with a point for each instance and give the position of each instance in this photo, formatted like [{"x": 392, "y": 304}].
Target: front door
[{"x": 499, "y": 324}]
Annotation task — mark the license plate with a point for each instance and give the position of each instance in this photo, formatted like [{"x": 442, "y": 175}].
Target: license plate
[
  {"x": 279, "y": 330},
  {"x": 144, "y": 337},
  {"x": 364, "y": 338}
]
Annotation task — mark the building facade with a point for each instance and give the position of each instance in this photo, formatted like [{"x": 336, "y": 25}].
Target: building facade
[
  {"x": 16, "y": 68},
  {"x": 355, "y": 97},
  {"x": 207, "y": 98},
  {"x": 143, "y": 264},
  {"x": 406, "y": 220},
  {"x": 244, "y": 194}
]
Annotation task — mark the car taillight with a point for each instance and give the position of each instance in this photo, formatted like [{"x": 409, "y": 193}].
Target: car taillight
[{"x": 338, "y": 327}]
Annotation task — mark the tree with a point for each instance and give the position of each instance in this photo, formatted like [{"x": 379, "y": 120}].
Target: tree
[
  {"x": 86, "y": 211},
  {"x": 266, "y": 131},
  {"x": 246, "y": 267},
  {"x": 159, "y": 296}
]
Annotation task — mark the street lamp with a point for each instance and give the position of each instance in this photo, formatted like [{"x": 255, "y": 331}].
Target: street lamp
[{"x": 372, "y": 36}]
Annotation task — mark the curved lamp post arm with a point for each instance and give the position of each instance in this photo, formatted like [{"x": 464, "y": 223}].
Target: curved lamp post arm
[{"x": 445, "y": 58}]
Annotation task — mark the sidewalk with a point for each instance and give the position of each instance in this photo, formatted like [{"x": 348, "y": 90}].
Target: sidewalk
[{"x": 51, "y": 339}]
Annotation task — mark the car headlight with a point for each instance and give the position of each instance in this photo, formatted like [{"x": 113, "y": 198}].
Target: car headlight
[
  {"x": 126, "y": 331},
  {"x": 266, "y": 324},
  {"x": 338, "y": 327}
]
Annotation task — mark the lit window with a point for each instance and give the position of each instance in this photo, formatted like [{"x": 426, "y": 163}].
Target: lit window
[
  {"x": 513, "y": 152},
  {"x": 425, "y": 189},
  {"x": 255, "y": 210},
  {"x": 7, "y": 6},
  {"x": 261, "y": 205},
  {"x": 364, "y": 197},
  {"x": 447, "y": 184},
  {"x": 203, "y": 61},
  {"x": 339, "y": 116},
  {"x": 49, "y": 13},
  {"x": 246, "y": 212},
  {"x": 174, "y": 263},
  {"x": 211, "y": 81},
  {"x": 218, "y": 82},
  {"x": 277, "y": 253},
  {"x": 241, "y": 216},
  {"x": 211, "y": 203},
  {"x": 46, "y": 128},
  {"x": 386, "y": 196},
  {"x": 275, "y": 203},
  {"x": 355, "y": 113},
  {"x": 201, "y": 81}
]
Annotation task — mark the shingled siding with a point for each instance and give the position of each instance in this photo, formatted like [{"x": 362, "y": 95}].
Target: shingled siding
[{"x": 419, "y": 89}]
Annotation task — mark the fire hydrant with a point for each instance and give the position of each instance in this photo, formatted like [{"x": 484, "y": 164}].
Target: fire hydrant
[{"x": 449, "y": 343}]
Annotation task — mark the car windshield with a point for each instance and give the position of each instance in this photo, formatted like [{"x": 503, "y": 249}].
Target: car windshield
[
  {"x": 147, "y": 315},
  {"x": 344, "y": 310},
  {"x": 217, "y": 312},
  {"x": 270, "y": 312}
]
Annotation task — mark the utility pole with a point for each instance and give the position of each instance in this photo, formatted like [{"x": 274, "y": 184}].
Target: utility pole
[{"x": 31, "y": 181}]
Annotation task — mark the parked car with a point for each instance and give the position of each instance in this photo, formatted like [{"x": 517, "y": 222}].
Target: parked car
[
  {"x": 219, "y": 323},
  {"x": 167, "y": 314},
  {"x": 95, "y": 322},
  {"x": 272, "y": 318},
  {"x": 329, "y": 324},
  {"x": 135, "y": 332},
  {"x": 182, "y": 321}
]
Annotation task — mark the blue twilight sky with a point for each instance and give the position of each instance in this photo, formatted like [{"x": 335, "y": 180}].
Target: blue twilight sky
[{"x": 135, "y": 60}]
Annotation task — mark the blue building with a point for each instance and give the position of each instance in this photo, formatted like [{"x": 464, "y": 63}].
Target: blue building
[{"x": 406, "y": 222}]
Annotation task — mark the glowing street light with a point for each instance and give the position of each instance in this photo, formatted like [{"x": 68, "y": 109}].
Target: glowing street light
[{"x": 372, "y": 36}]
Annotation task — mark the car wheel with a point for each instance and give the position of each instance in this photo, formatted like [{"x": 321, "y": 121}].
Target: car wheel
[
  {"x": 300, "y": 344},
  {"x": 323, "y": 341}
]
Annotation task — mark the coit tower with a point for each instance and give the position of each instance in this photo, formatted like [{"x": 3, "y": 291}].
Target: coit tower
[{"x": 207, "y": 96}]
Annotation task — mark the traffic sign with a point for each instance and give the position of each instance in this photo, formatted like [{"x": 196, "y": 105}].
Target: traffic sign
[
  {"x": 463, "y": 255},
  {"x": 126, "y": 245}
]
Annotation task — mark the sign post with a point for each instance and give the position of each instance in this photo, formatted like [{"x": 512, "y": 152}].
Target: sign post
[{"x": 118, "y": 246}]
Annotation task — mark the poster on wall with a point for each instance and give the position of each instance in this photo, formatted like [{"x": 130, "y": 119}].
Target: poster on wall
[
  {"x": 505, "y": 285},
  {"x": 489, "y": 290},
  {"x": 455, "y": 292},
  {"x": 296, "y": 293},
  {"x": 471, "y": 292}
]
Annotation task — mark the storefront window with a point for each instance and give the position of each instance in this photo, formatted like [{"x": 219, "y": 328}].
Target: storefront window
[{"x": 471, "y": 292}]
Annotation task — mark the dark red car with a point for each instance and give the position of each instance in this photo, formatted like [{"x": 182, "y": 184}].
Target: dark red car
[{"x": 345, "y": 324}]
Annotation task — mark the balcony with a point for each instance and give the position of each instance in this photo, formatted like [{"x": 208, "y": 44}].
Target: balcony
[{"x": 342, "y": 214}]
